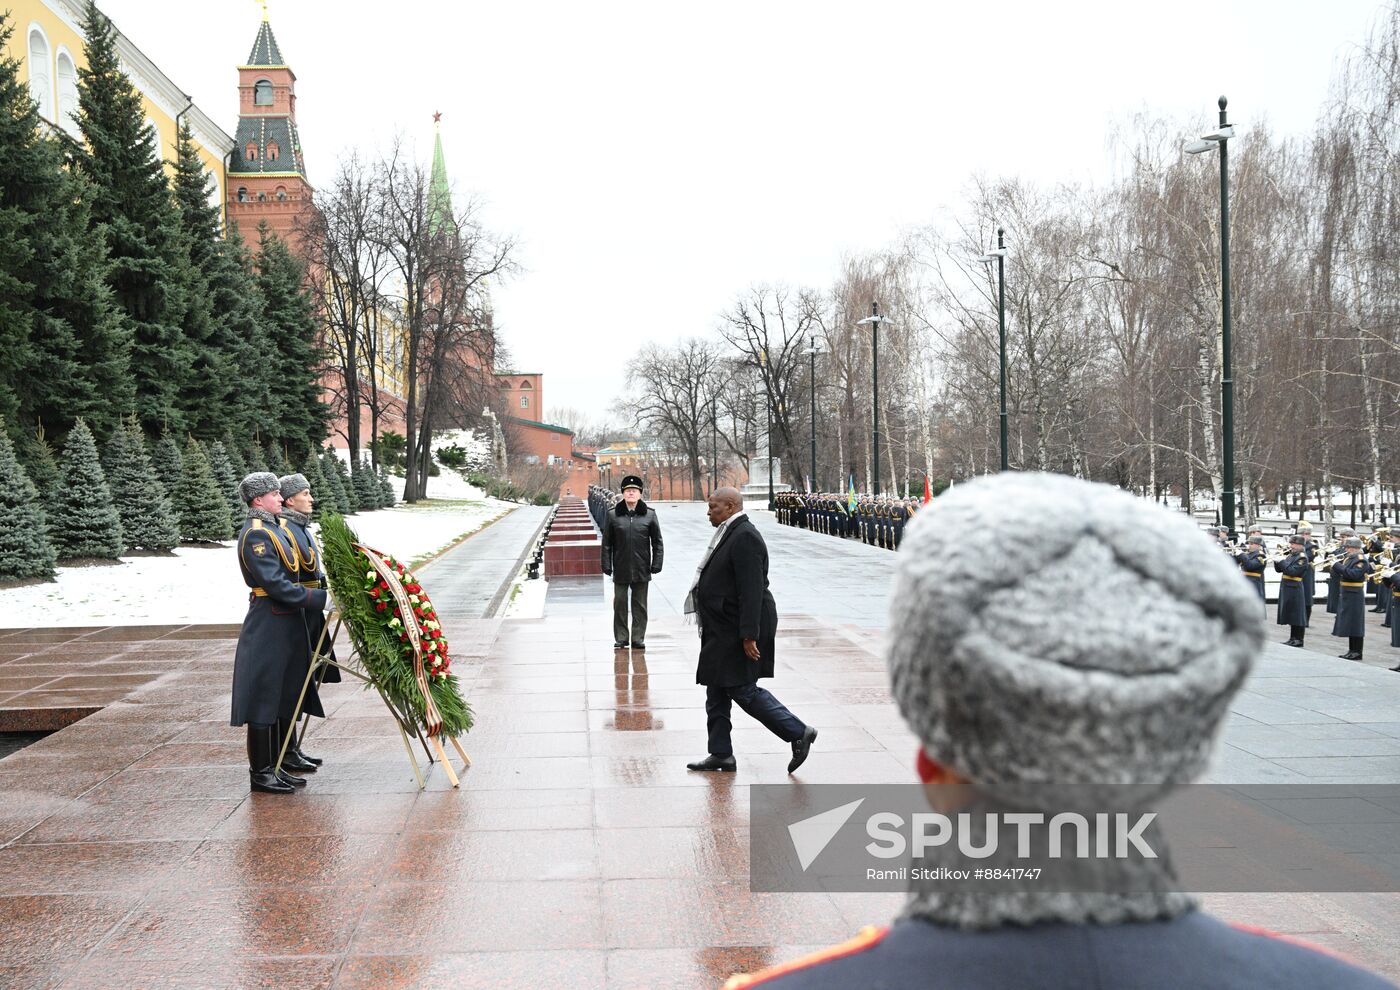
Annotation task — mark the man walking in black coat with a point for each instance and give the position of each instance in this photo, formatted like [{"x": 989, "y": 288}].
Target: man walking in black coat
[
  {"x": 738, "y": 622},
  {"x": 632, "y": 553}
]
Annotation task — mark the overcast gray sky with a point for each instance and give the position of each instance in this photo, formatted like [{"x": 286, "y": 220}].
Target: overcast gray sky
[{"x": 655, "y": 158}]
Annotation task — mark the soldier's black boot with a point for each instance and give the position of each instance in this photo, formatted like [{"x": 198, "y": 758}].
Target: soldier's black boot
[
  {"x": 294, "y": 759},
  {"x": 261, "y": 761}
]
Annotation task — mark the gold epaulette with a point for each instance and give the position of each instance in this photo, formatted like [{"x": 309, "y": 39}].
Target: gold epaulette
[{"x": 869, "y": 937}]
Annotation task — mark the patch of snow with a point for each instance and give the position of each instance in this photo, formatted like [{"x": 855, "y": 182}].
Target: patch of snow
[
  {"x": 528, "y": 603},
  {"x": 204, "y": 584}
]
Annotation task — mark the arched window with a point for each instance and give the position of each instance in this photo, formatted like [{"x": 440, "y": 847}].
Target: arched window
[
  {"x": 251, "y": 151},
  {"x": 281, "y": 194},
  {"x": 526, "y": 384},
  {"x": 262, "y": 93},
  {"x": 67, "y": 94},
  {"x": 243, "y": 194},
  {"x": 272, "y": 151},
  {"x": 40, "y": 75},
  {"x": 262, "y": 197}
]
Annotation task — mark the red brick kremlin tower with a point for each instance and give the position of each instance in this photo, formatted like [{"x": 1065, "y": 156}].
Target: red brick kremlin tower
[{"x": 266, "y": 174}]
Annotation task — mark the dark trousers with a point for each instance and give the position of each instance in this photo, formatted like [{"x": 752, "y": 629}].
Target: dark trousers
[
  {"x": 639, "y": 611},
  {"x": 1296, "y": 632},
  {"x": 759, "y": 703}
]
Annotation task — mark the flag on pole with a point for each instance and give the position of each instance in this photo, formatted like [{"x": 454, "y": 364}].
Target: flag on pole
[
  {"x": 928, "y": 490},
  {"x": 851, "y": 498}
]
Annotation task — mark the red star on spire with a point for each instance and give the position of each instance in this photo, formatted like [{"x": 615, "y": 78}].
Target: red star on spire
[{"x": 437, "y": 117}]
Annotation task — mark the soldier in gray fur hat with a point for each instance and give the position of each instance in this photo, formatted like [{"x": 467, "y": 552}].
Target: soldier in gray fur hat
[
  {"x": 273, "y": 636},
  {"x": 1105, "y": 653},
  {"x": 298, "y": 502}
]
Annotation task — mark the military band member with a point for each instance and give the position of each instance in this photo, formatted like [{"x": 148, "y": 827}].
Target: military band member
[
  {"x": 1349, "y": 574},
  {"x": 1329, "y": 568},
  {"x": 273, "y": 635},
  {"x": 1393, "y": 613},
  {"x": 1292, "y": 610},
  {"x": 1310, "y": 579},
  {"x": 1251, "y": 563},
  {"x": 1379, "y": 551},
  {"x": 298, "y": 503}
]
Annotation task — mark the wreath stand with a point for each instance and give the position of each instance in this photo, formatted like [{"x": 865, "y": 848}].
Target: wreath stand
[{"x": 404, "y": 719}]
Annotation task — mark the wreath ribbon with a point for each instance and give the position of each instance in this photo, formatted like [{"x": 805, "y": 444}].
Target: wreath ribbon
[{"x": 432, "y": 721}]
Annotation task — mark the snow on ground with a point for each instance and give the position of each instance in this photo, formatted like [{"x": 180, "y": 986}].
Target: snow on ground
[
  {"x": 203, "y": 584},
  {"x": 527, "y": 601}
]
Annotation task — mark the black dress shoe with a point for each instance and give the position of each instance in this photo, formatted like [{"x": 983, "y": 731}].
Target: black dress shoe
[
  {"x": 801, "y": 748},
  {"x": 289, "y": 780},
  {"x": 315, "y": 761},
  {"x": 619, "y": 646},
  {"x": 725, "y": 764},
  {"x": 639, "y": 646},
  {"x": 1290, "y": 642},
  {"x": 269, "y": 783},
  {"x": 293, "y": 761},
  {"x": 1350, "y": 656}
]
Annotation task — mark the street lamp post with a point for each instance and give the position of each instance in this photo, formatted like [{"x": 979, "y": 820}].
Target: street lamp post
[
  {"x": 1220, "y": 137},
  {"x": 875, "y": 319},
  {"x": 813, "y": 349},
  {"x": 714, "y": 445},
  {"x": 768, "y": 426},
  {"x": 999, "y": 255}
]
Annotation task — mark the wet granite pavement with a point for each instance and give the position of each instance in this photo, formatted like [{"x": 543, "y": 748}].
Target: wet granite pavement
[{"x": 579, "y": 851}]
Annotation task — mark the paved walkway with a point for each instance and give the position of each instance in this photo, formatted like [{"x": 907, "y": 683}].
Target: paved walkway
[{"x": 579, "y": 851}]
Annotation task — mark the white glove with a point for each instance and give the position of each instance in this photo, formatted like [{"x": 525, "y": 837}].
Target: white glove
[{"x": 332, "y": 606}]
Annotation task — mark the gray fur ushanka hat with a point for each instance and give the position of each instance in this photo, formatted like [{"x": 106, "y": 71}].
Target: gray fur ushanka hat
[
  {"x": 1104, "y": 653},
  {"x": 255, "y": 484},
  {"x": 291, "y": 484}
]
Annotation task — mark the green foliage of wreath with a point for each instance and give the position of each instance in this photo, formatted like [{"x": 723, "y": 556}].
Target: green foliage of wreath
[{"x": 378, "y": 644}]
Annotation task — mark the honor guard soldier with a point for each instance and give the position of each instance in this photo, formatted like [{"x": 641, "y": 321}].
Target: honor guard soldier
[
  {"x": 1292, "y": 610},
  {"x": 1251, "y": 562},
  {"x": 272, "y": 640},
  {"x": 1349, "y": 574},
  {"x": 298, "y": 503},
  {"x": 1011, "y": 710}
]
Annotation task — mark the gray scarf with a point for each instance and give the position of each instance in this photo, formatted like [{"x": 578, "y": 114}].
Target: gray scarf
[
  {"x": 720, "y": 530},
  {"x": 300, "y": 518},
  {"x": 263, "y": 514}
]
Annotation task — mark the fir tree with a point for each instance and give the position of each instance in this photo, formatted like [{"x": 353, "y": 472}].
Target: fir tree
[
  {"x": 320, "y": 491},
  {"x": 147, "y": 520},
  {"x": 85, "y": 522},
  {"x": 387, "y": 487},
  {"x": 37, "y": 458},
  {"x": 288, "y": 314},
  {"x": 165, "y": 458},
  {"x": 277, "y": 461},
  {"x": 227, "y": 480},
  {"x": 235, "y": 460},
  {"x": 132, "y": 211},
  {"x": 25, "y": 550},
  {"x": 63, "y": 348},
  {"x": 242, "y": 336},
  {"x": 209, "y": 385},
  {"x": 204, "y": 515},
  {"x": 367, "y": 494},
  {"x": 336, "y": 483},
  {"x": 254, "y": 459}
]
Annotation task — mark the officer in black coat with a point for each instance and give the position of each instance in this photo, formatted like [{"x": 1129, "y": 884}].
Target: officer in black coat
[
  {"x": 738, "y": 622},
  {"x": 1349, "y": 574},
  {"x": 1392, "y": 614},
  {"x": 298, "y": 503},
  {"x": 273, "y": 636},
  {"x": 1251, "y": 562},
  {"x": 1292, "y": 609},
  {"x": 1334, "y": 583},
  {"x": 632, "y": 553}
]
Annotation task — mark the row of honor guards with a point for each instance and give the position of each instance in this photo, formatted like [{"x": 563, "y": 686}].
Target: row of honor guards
[
  {"x": 877, "y": 521},
  {"x": 1351, "y": 566},
  {"x": 287, "y": 610}
]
